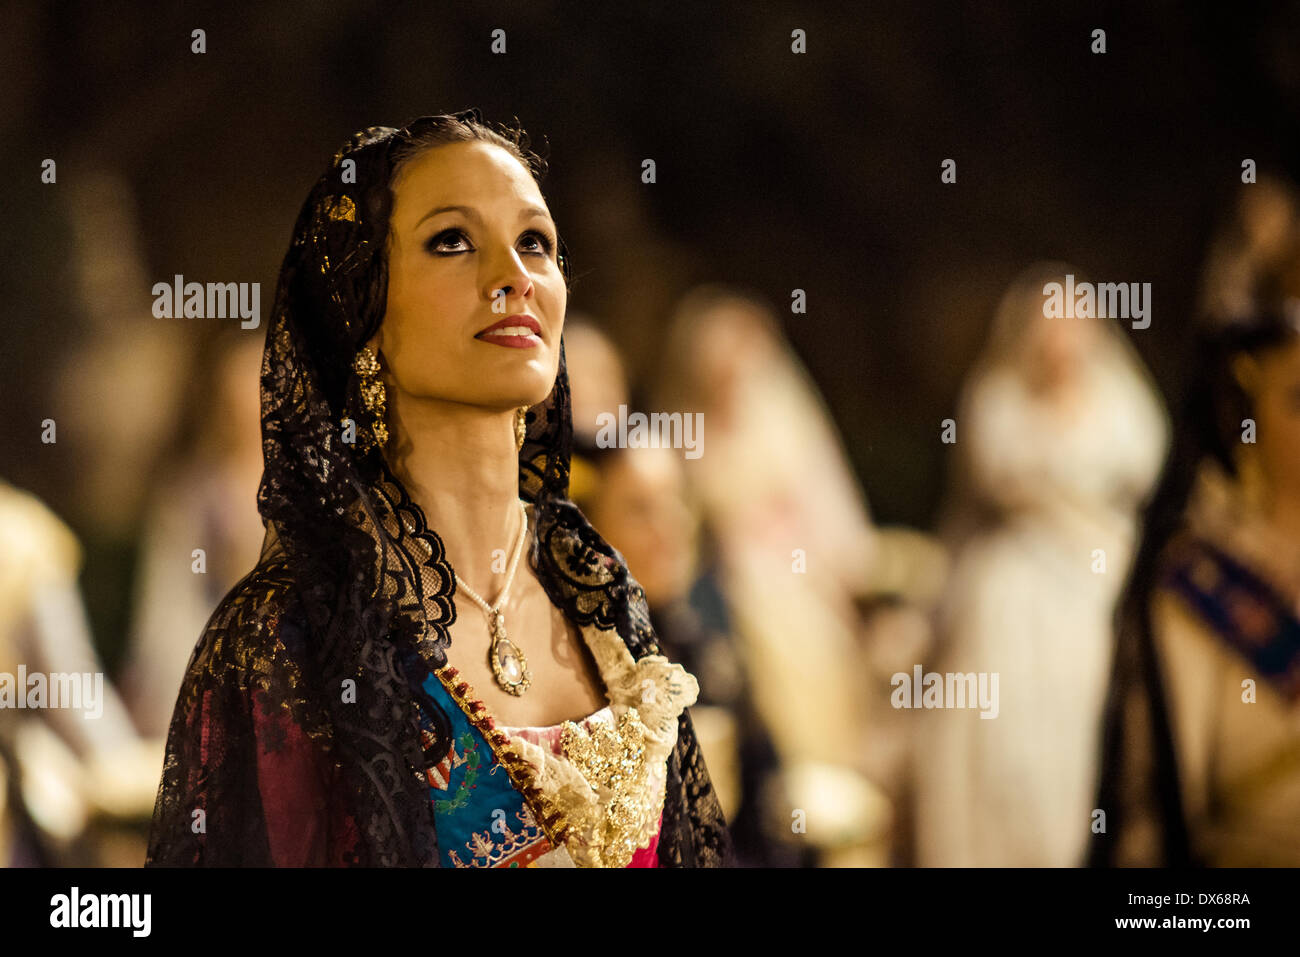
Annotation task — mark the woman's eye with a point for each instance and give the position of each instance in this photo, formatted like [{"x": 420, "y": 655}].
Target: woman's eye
[
  {"x": 448, "y": 237},
  {"x": 451, "y": 242},
  {"x": 543, "y": 241}
]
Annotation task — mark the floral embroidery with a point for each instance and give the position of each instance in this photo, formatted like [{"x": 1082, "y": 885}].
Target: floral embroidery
[
  {"x": 439, "y": 776},
  {"x": 512, "y": 849}
]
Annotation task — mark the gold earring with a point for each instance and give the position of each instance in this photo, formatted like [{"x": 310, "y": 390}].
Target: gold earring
[
  {"x": 521, "y": 426},
  {"x": 371, "y": 387}
]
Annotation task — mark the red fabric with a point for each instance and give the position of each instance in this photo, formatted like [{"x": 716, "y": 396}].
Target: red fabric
[
  {"x": 304, "y": 828},
  {"x": 290, "y": 782},
  {"x": 649, "y": 856}
]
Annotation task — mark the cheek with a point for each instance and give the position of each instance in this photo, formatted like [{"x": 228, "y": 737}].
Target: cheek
[
  {"x": 556, "y": 308},
  {"x": 414, "y": 293},
  {"x": 1279, "y": 438},
  {"x": 401, "y": 299},
  {"x": 416, "y": 339},
  {"x": 557, "y": 304}
]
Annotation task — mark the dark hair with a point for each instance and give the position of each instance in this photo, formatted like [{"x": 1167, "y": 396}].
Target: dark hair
[{"x": 429, "y": 132}]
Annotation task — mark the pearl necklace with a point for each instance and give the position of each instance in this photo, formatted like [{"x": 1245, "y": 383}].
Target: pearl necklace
[{"x": 509, "y": 665}]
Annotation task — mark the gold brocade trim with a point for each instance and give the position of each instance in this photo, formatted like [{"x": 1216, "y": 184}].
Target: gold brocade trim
[
  {"x": 616, "y": 759},
  {"x": 523, "y": 776}
]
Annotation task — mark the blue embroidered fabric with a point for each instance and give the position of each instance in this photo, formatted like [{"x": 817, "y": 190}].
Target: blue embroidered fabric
[{"x": 481, "y": 818}]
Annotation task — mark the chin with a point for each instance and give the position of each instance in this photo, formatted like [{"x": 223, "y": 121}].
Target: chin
[
  {"x": 527, "y": 385},
  {"x": 515, "y": 397},
  {"x": 533, "y": 399},
  {"x": 534, "y": 390}
]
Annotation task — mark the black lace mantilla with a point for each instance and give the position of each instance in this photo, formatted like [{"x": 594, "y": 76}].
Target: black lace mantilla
[{"x": 295, "y": 738}]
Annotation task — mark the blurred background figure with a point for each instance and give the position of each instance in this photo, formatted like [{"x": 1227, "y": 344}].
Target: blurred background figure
[
  {"x": 1253, "y": 254},
  {"x": 797, "y": 558},
  {"x": 1203, "y": 732},
  {"x": 81, "y": 791},
  {"x": 114, "y": 392},
  {"x": 601, "y": 382},
  {"x": 638, "y": 500},
  {"x": 1060, "y": 436},
  {"x": 205, "y": 498},
  {"x": 76, "y": 784}
]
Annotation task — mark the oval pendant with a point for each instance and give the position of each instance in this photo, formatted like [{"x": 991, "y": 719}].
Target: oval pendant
[{"x": 509, "y": 666}]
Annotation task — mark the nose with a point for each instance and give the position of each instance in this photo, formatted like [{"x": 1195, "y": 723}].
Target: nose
[{"x": 508, "y": 278}]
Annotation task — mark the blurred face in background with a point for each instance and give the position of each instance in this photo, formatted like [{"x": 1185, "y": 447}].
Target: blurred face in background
[
  {"x": 730, "y": 344},
  {"x": 1057, "y": 349},
  {"x": 640, "y": 509},
  {"x": 1272, "y": 380},
  {"x": 1268, "y": 220},
  {"x": 237, "y": 424},
  {"x": 597, "y": 381},
  {"x": 444, "y": 266}
]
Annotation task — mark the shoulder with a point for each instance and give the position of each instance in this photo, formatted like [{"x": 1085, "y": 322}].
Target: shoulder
[
  {"x": 253, "y": 636},
  {"x": 1186, "y": 641},
  {"x": 34, "y": 542}
]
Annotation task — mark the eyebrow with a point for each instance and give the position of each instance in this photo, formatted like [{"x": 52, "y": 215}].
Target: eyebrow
[{"x": 528, "y": 212}]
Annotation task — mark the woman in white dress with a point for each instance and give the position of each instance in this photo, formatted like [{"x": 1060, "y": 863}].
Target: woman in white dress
[
  {"x": 1059, "y": 437},
  {"x": 798, "y": 556}
]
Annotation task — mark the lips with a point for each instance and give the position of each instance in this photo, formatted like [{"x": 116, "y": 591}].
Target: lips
[{"x": 516, "y": 332}]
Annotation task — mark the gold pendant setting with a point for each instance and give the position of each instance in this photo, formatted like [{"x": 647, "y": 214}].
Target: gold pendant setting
[{"x": 509, "y": 665}]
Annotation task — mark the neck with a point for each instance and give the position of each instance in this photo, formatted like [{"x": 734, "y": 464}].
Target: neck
[{"x": 460, "y": 465}]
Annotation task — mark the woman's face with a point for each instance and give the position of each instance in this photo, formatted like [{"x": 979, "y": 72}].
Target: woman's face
[
  {"x": 597, "y": 380},
  {"x": 444, "y": 268},
  {"x": 1273, "y": 381},
  {"x": 730, "y": 345},
  {"x": 1058, "y": 348},
  {"x": 641, "y": 510}
]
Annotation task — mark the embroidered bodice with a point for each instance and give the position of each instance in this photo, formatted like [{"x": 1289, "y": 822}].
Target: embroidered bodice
[{"x": 585, "y": 794}]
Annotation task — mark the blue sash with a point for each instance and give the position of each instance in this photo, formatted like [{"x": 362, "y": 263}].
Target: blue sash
[{"x": 1241, "y": 608}]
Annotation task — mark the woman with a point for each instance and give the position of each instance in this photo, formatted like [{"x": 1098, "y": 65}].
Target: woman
[
  {"x": 1202, "y": 759},
  {"x": 1061, "y": 437},
  {"x": 638, "y": 497},
  {"x": 795, "y": 551},
  {"x": 203, "y": 500},
  {"x": 345, "y": 705}
]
